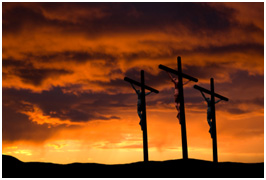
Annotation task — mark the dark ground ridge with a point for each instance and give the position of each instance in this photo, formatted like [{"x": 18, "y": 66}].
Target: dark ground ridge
[{"x": 190, "y": 168}]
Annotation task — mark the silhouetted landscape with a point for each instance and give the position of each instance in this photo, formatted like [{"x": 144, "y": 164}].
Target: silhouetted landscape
[{"x": 14, "y": 168}]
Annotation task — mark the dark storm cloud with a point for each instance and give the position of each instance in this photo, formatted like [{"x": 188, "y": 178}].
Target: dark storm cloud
[
  {"x": 245, "y": 48},
  {"x": 111, "y": 59},
  {"x": 87, "y": 105},
  {"x": 37, "y": 76},
  {"x": 236, "y": 106},
  {"x": 29, "y": 74},
  {"x": 172, "y": 51},
  {"x": 85, "y": 56},
  {"x": 120, "y": 17},
  {"x": 233, "y": 48},
  {"x": 16, "y": 126},
  {"x": 136, "y": 55},
  {"x": 29, "y": 16},
  {"x": 155, "y": 16},
  {"x": 13, "y": 63},
  {"x": 244, "y": 85},
  {"x": 73, "y": 56},
  {"x": 77, "y": 115},
  {"x": 55, "y": 103},
  {"x": 19, "y": 17}
]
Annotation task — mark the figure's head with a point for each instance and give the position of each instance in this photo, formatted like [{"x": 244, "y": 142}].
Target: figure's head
[
  {"x": 208, "y": 99},
  {"x": 138, "y": 91}
]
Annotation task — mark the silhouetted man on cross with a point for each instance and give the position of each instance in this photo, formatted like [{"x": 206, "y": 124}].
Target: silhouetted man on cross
[
  {"x": 142, "y": 109},
  {"x": 211, "y": 114},
  {"x": 179, "y": 100},
  {"x": 176, "y": 94},
  {"x": 139, "y": 108},
  {"x": 209, "y": 111}
]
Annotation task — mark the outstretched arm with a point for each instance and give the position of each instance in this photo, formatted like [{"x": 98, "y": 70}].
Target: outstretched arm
[
  {"x": 218, "y": 101},
  {"x": 171, "y": 77},
  {"x": 203, "y": 95},
  {"x": 148, "y": 93},
  {"x": 186, "y": 82},
  {"x": 134, "y": 88}
]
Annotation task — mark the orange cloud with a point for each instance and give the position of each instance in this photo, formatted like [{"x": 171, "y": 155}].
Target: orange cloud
[{"x": 36, "y": 115}]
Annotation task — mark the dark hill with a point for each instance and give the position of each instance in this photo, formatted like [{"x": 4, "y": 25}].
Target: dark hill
[{"x": 12, "y": 167}]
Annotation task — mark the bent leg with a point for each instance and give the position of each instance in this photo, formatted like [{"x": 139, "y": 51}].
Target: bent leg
[
  {"x": 177, "y": 106},
  {"x": 210, "y": 124},
  {"x": 209, "y": 119},
  {"x": 140, "y": 116}
]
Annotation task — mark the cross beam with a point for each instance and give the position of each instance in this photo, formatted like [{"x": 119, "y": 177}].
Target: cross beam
[
  {"x": 181, "y": 75},
  {"x": 143, "y": 106},
  {"x": 139, "y": 84},
  {"x": 178, "y": 73},
  {"x": 209, "y": 92},
  {"x": 214, "y": 133}
]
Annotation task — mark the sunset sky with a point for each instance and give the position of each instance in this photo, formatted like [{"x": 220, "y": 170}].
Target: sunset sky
[{"x": 64, "y": 99}]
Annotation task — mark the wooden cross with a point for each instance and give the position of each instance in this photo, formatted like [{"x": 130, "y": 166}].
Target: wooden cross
[
  {"x": 214, "y": 135},
  {"x": 181, "y": 75},
  {"x": 143, "y": 106}
]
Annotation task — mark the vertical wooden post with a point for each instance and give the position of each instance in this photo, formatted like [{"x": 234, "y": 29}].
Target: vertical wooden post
[
  {"x": 214, "y": 137},
  {"x": 182, "y": 110},
  {"x": 143, "y": 120}
]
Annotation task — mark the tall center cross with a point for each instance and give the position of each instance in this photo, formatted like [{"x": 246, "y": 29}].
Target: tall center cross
[
  {"x": 181, "y": 75},
  {"x": 143, "y": 106}
]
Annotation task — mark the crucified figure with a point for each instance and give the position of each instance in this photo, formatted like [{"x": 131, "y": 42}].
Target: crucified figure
[
  {"x": 176, "y": 94},
  {"x": 209, "y": 111},
  {"x": 139, "y": 104}
]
